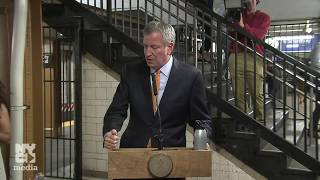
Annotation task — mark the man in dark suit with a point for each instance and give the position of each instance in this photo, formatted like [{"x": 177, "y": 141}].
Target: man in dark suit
[{"x": 181, "y": 97}]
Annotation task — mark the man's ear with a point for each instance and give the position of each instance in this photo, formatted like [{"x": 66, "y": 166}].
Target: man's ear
[{"x": 170, "y": 48}]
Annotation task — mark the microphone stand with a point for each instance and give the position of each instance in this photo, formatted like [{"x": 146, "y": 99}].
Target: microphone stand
[{"x": 159, "y": 136}]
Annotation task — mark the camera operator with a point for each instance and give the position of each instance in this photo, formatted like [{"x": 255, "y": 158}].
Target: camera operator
[{"x": 257, "y": 24}]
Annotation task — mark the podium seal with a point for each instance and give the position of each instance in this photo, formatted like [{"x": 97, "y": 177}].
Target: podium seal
[{"x": 160, "y": 165}]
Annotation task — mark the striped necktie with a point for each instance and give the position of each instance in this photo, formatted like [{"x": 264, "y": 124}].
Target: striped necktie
[{"x": 154, "y": 98}]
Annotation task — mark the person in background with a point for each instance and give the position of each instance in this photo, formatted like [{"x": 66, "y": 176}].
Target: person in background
[
  {"x": 180, "y": 99},
  {"x": 241, "y": 61},
  {"x": 4, "y": 126}
]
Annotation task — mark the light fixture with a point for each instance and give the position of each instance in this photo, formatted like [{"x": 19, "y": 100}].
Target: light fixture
[{"x": 289, "y": 38}]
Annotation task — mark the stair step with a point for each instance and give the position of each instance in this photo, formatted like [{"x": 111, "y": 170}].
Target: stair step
[
  {"x": 205, "y": 66},
  {"x": 298, "y": 174},
  {"x": 290, "y": 130},
  {"x": 54, "y": 15},
  {"x": 93, "y": 43},
  {"x": 293, "y": 164},
  {"x": 50, "y": 9},
  {"x": 245, "y": 135},
  {"x": 279, "y": 157},
  {"x": 271, "y": 153},
  {"x": 123, "y": 50},
  {"x": 289, "y": 134},
  {"x": 311, "y": 150},
  {"x": 276, "y": 118}
]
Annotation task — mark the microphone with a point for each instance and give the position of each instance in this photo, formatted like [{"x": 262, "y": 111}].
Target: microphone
[{"x": 159, "y": 136}]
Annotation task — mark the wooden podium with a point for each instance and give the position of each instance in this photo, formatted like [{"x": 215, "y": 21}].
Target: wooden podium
[{"x": 138, "y": 163}]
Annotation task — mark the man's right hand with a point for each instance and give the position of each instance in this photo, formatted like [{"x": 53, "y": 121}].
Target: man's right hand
[{"x": 111, "y": 139}]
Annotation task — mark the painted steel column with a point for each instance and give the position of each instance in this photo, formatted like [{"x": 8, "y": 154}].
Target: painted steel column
[{"x": 16, "y": 81}]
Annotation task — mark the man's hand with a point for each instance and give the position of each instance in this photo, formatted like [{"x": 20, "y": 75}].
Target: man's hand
[
  {"x": 240, "y": 23},
  {"x": 111, "y": 139}
]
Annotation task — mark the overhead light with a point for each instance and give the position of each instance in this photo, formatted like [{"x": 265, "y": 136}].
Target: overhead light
[
  {"x": 285, "y": 31},
  {"x": 292, "y": 45},
  {"x": 283, "y": 38}
]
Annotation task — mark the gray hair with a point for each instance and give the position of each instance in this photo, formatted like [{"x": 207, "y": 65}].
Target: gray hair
[{"x": 165, "y": 29}]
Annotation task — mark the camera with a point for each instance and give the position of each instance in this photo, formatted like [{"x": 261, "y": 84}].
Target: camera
[{"x": 234, "y": 8}]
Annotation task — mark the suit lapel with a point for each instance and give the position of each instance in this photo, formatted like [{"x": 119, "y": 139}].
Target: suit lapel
[
  {"x": 172, "y": 81},
  {"x": 146, "y": 88}
]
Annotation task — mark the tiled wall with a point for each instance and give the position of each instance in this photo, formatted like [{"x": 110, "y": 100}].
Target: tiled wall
[
  {"x": 97, "y": 93},
  {"x": 98, "y": 89}
]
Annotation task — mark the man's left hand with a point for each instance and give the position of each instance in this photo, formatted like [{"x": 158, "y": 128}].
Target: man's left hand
[{"x": 240, "y": 23}]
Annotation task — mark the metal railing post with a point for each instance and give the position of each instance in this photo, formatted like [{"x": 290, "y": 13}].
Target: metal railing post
[{"x": 78, "y": 99}]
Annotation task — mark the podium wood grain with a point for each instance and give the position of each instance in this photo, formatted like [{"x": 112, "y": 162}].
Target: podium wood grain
[{"x": 132, "y": 163}]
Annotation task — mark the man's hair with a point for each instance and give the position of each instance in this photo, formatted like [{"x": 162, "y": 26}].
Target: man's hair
[
  {"x": 165, "y": 29},
  {"x": 3, "y": 96}
]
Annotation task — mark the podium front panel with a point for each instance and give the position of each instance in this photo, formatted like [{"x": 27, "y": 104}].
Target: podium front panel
[{"x": 133, "y": 163}]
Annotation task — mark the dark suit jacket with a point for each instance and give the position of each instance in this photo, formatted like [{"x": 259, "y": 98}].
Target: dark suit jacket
[{"x": 183, "y": 101}]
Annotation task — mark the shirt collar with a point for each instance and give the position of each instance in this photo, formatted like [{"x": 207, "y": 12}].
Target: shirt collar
[{"x": 165, "y": 69}]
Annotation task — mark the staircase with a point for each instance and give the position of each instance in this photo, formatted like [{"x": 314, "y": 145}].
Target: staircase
[{"x": 281, "y": 148}]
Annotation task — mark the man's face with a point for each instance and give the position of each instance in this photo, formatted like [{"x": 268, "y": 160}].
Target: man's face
[
  {"x": 252, "y": 6},
  {"x": 156, "y": 51}
]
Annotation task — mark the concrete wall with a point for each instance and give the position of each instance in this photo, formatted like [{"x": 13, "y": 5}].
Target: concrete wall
[
  {"x": 290, "y": 9},
  {"x": 98, "y": 89}
]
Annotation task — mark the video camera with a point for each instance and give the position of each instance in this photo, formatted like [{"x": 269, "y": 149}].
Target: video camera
[{"x": 234, "y": 8}]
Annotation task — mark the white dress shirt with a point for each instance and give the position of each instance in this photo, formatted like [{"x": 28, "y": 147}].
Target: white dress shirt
[{"x": 164, "y": 76}]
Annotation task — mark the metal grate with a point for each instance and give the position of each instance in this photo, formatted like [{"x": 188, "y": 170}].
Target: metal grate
[{"x": 60, "y": 104}]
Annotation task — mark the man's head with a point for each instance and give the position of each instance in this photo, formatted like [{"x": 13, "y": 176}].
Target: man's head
[
  {"x": 158, "y": 42},
  {"x": 252, "y": 6}
]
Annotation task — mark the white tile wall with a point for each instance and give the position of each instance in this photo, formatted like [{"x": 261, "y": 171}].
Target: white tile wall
[
  {"x": 92, "y": 146},
  {"x": 110, "y": 92},
  {"x": 100, "y": 111},
  {"x": 90, "y": 93},
  {"x": 100, "y": 75},
  {"x": 90, "y": 75},
  {"x": 101, "y": 165},
  {"x": 90, "y": 111},
  {"x": 101, "y": 93},
  {"x": 98, "y": 90},
  {"x": 90, "y": 164}
]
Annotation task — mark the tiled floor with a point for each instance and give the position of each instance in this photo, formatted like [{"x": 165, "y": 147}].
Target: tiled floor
[{"x": 59, "y": 154}]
